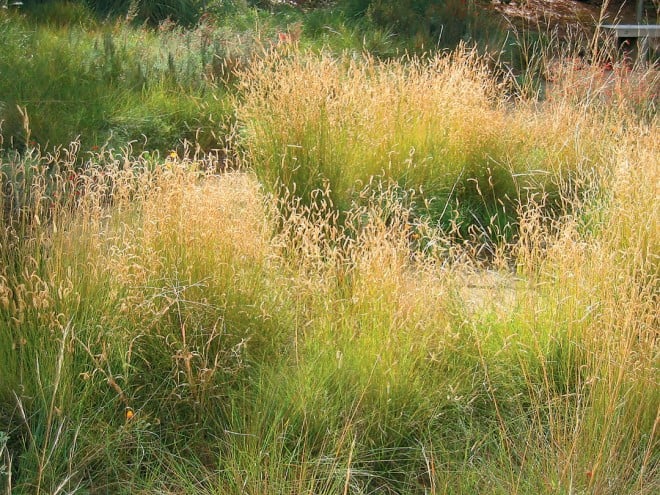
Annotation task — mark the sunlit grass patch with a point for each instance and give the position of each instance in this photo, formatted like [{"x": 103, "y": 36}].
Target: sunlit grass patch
[
  {"x": 442, "y": 129},
  {"x": 302, "y": 316}
]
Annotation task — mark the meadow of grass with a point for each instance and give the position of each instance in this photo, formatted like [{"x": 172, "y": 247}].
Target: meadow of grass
[
  {"x": 170, "y": 328},
  {"x": 402, "y": 276},
  {"x": 461, "y": 149},
  {"x": 110, "y": 84},
  {"x": 106, "y": 73}
]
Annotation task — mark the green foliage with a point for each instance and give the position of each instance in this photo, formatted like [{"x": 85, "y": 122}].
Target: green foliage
[
  {"x": 430, "y": 23},
  {"x": 111, "y": 86},
  {"x": 185, "y": 12}
]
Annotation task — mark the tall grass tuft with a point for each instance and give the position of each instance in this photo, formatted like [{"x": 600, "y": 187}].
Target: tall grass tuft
[{"x": 442, "y": 127}]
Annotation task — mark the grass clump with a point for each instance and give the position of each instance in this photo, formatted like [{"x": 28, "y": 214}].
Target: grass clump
[
  {"x": 442, "y": 128},
  {"x": 145, "y": 296}
]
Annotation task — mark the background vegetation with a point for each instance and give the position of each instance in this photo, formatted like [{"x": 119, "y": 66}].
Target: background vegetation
[
  {"x": 156, "y": 73},
  {"x": 347, "y": 273}
]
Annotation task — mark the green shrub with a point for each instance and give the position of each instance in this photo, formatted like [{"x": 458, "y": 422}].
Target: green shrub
[
  {"x": 430, "y": 23},
  {"x": 61, "y": 13},
  {"x": 185, "y": 12}
]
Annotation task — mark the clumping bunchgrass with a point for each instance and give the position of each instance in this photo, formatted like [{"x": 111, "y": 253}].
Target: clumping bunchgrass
[
  {"x": 305, "y": 321},
  {"x": 442, "y": 128}
]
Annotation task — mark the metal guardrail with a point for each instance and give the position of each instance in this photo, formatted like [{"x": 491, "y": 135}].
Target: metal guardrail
[
  {"x": 627, "y": 34},
  {"x": 634, "y": 30}
]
